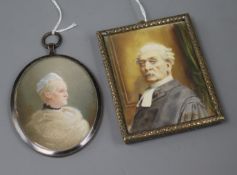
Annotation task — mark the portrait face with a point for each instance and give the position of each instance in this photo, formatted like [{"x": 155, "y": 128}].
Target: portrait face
[
  {"x": 57, "y": 95},
  {"x": 153, "y": 67}
]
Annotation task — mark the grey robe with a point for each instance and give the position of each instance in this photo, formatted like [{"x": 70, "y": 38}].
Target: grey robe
[{"x": 172, "y": 103}]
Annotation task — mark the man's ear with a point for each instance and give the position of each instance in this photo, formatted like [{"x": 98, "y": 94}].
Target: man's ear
[{"x": 169, "y": 63}]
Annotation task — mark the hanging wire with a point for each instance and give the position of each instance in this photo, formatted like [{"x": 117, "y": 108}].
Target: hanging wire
[
  {"x": 55, "y": 29},
  {"x": 142, "y": 10}
]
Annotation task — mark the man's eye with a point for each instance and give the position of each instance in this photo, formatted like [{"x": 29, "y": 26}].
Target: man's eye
[
  {"x": 152, "y": 61},
  {"x": 141, "y": 62}
]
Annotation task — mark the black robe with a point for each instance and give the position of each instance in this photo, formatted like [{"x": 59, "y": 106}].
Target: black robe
[{"x": 172, "y": 103}]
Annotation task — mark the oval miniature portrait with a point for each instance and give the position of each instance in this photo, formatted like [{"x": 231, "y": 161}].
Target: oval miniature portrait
[{"x": 56, "y": 105}]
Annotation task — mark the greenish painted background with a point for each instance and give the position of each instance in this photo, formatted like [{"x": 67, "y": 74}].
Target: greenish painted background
[{"x": 81, "y": 90}]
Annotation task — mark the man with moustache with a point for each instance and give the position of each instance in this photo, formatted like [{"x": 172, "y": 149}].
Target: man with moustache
[{"x": 166, "y": 101}]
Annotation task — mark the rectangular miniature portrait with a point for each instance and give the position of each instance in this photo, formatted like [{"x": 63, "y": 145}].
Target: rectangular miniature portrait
[{"x": 158, "y": 78}]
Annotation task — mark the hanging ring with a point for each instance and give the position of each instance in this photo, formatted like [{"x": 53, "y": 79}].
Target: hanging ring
[{"x": 49, "y": 45}]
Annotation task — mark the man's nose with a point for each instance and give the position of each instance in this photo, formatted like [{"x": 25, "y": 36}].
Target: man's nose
[{"x": 147, "y": 65}]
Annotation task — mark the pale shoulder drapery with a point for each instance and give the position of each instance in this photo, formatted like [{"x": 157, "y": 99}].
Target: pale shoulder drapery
[{"x": 57, "y": 129}]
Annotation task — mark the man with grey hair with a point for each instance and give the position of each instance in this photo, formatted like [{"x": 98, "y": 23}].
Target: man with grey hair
[
  {"x": 56, "y": 126},
  {"x": 166, "y": 101}
]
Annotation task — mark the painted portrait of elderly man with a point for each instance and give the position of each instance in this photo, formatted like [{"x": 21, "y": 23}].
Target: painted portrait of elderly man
[
  {"x": 56, "y": 126},
  {"x": 166, "y": 101},
  {"x": 158, "y": 78}
]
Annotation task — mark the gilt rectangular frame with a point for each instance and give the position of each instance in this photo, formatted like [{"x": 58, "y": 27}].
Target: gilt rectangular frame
[{"x": 130, "y": 137}]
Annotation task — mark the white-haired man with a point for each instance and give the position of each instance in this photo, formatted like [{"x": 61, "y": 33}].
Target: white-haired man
[
  {"x": 165, "y": 101},
  {"x": 56, "y": 126}
]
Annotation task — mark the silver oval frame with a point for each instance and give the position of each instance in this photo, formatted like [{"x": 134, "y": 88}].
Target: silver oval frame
[{"x": 37, "y": 147}]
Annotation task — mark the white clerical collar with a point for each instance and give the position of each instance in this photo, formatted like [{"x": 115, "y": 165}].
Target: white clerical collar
[
  {"x": 161, "y": 82},
  {"x": 146, "y": 98}
]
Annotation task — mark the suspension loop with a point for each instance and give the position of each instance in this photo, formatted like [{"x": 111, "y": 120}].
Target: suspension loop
[{"x": 51, "y": 46}]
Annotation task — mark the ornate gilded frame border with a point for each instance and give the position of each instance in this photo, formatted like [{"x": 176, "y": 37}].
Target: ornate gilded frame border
[{"x": 130, "y": 137}]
